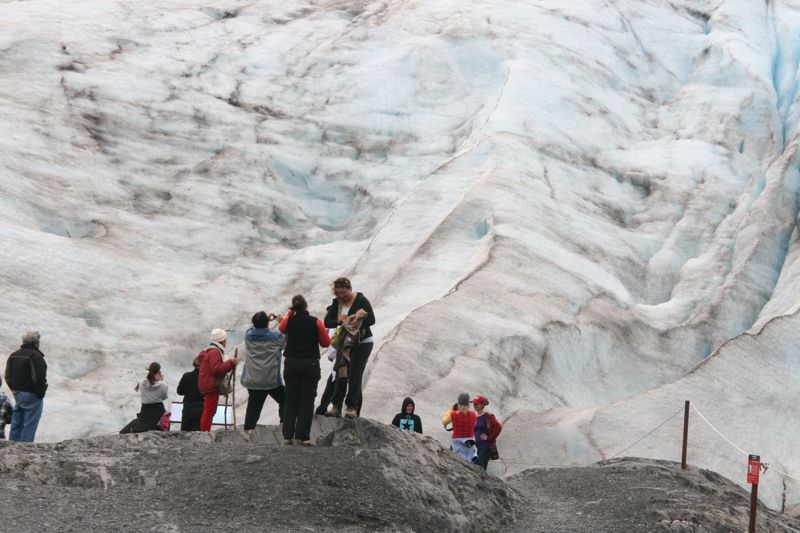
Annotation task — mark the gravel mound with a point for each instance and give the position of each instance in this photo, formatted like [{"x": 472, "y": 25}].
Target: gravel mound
[
  {"x": 363, "y": 476},
  {"x": 637, "y": 495}
]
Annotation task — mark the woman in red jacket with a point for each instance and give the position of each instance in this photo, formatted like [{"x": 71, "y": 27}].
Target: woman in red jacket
[
  {"x": 487, "y": 428},
  {"x": 212, "y": 368}
]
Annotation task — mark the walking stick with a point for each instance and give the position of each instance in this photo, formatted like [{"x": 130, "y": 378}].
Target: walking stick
[
  {"x": 233, "y": 400},
  {"x": 233, "y": 390}
]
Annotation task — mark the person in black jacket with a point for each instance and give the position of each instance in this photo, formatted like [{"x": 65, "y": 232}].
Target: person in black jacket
[
  {"x": 192, "y": 399},
  {"x": 304, "y": 335},
  {"x": 345, "y": 304},
  {"x": 406, "y": 419},
  {"x": 26, "y": 376}
]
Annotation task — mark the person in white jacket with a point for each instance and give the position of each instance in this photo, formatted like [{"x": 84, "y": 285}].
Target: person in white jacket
[{"x": 153, "y": 392}]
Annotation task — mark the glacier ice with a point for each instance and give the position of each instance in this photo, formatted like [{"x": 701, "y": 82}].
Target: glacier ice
[{"x": 585, "y": 211}]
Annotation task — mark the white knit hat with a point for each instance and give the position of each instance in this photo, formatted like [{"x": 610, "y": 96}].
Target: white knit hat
[{"x": 218, "y": 335}]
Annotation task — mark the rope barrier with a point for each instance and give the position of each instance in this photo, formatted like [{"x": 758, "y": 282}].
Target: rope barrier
[
  {"x": 718, "y": 431},
  {"x": 764, "y": 466},
  {"x": 653, "y": 431}
]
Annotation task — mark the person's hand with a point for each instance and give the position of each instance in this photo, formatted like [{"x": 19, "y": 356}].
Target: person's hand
[
  {"x": 361, "y": 313},
  {"x": 235, "y": 361},
  {"x": 279, "y": 318},
  {"x": 484, "y": 437}
]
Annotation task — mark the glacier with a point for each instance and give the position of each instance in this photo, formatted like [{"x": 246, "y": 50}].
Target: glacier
[{"x": 584, "y": 211}]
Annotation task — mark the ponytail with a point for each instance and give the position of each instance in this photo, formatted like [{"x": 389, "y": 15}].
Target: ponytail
[
  {"x": 299, "y": 303},
  {"x": 152, "y": 370}
]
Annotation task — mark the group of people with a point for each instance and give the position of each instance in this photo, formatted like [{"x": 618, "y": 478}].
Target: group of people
[
  {"x": 474, "y": 432},
  {"x": 282, "y": 363}
]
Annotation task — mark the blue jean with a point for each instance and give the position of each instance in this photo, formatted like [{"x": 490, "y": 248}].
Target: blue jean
[{"x": 25, "y": 419}]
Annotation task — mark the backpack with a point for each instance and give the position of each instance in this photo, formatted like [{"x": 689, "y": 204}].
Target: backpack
[
  {"x": 163, "y": 423},
  {"x": 226, "y": 383}
]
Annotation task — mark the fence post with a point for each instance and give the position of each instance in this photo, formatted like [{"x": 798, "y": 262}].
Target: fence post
[
  {"x": 685, "y": 434},
  {"x": 753, "y": 469}
]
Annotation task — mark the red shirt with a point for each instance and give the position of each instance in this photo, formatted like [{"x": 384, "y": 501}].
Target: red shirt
[{"x": 463, "y": 424}]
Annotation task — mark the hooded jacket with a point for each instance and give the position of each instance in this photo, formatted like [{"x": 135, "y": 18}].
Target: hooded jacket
[
  {"x": 262, "y": 365},
  {"x": 409, "y": 422},
  {"x": 212, "y": 368}
]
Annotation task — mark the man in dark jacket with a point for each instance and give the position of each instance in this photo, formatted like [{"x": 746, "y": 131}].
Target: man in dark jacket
[
  {"x": 345, "y": 304},
  {"x": 406, "y": 419},
  {"x": 192, "y": 399},
  {"x": 26, "y": 376}
]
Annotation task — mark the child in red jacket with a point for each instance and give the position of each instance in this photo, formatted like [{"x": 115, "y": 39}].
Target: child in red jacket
[{"x": 463, "y": 428}]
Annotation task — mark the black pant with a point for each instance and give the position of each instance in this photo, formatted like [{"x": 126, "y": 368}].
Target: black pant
[
  {"x": 190, "y": 416},
  {"x": 358, "y": 362},
  {"x": 301, "y": 377},
  {"x": 483, "y": 457},
  {"x": 327, "y": 395},
  {"x": 146, "y": 419},
  {"x": 255, "y": 402}
]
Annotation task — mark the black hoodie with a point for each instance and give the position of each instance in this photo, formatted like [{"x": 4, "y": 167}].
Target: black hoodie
[{"x": 409, "y": 422}]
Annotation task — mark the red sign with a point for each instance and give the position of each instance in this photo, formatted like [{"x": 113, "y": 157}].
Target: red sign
[{"x": 753, "y": 468}]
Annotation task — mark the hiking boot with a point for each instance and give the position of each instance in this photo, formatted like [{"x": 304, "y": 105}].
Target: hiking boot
[
  {"x": 334, "y": 412},
  {"x": 351, "y": 412},
  {"x": 309, "y": 443},
  {"x": 288, "y": 442}
]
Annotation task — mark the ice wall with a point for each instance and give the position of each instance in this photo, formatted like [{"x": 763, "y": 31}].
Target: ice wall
[{"x": 558, "y": 205}]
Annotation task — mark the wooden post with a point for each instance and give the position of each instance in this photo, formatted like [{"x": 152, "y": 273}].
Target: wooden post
[
  {"x": 753, "y": 508},
  {"x": 685, "y": 434},
  {"x": 753, "y": 471}
]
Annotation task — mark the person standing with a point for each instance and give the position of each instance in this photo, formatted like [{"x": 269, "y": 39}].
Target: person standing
[
  {"x": 152, "y": 391},
  {"x": 406, "y": 419},
  {"x": 26, "y": 376},
  {"x": 487, "y": 428},
  {"x": 463, "y": 420},
  {"x": 347, "y": 303},
  {"x": 304, "y": 335},
  {"x": 212, "y": 369},
  {"x": 192, "y": 399},
  {"x": 262, "y": 367}
]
